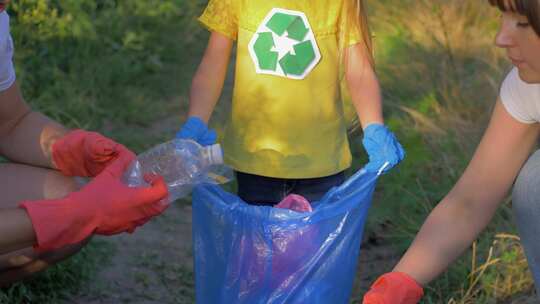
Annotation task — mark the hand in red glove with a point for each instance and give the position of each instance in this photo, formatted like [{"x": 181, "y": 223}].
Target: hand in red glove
[
  {"x": 394, "y": 288},
  {"x": 83, "y": 153},
  {"x": 104, "y": 206}
]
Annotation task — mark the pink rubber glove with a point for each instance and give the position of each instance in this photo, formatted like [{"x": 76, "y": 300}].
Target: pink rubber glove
[
  {"x": 394, "y": 288},
  {"x": 83, "y": 153},
  {"x": 104, "y": 206}
]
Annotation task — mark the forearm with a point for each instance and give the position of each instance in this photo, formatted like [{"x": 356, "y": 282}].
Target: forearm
[
  {"x": 210, "y": 77},
  {"x": 30, "y": 140},
  {"x": 204, "y": 95},
  {"x": 364, "y": 87},
  {"x": 25, "y": 136},
  {"x": 16, "y": 231},
  {"x": 447, "y": 233},
  {"x": 368, "y": 101}
]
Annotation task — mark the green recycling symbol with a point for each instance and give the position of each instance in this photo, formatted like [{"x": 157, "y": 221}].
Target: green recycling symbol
[{"x": 284, "y": 45}]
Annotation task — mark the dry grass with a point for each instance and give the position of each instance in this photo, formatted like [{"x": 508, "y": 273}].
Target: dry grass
[{"x": 441, "y": 73}]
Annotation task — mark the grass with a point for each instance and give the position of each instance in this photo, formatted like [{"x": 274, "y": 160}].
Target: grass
[
  {"x": 62, "y": 280},
  {"x": 111, "y": 66},
  {"x": 440, "y": 74},
  {"x": 119, "y": 66},
  {"x": 106, "y": 65}
]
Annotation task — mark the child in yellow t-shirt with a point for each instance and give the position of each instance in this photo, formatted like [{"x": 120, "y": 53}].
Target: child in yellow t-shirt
[{"x": 287, "y": 132}]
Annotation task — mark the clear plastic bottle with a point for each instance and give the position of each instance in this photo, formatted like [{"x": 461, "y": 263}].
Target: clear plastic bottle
[{"x": 183, "y": 164}]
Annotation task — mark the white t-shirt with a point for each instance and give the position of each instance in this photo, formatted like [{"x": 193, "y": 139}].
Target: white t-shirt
[
  {"x": 521, "y": 99},
  {"x": 7, "y": 72}
]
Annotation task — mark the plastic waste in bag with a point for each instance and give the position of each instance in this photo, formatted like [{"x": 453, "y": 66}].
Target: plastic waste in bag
[
  {"x": 183, "y": 164},
  {"x": 260, "y": 254},
  {"x": 295, "y": 202}
]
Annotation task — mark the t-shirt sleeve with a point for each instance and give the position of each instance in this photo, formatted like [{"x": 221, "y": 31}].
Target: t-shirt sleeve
[
  {"x": 221, "y": 16},
  {"x": 7, "y": 72},
  {"x": 514, "y": 96}
]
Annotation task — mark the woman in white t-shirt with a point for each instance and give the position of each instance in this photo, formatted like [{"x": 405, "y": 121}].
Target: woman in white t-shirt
[
  {"x": 44, "y": 216},
  {"x": 501, "y": 158}
]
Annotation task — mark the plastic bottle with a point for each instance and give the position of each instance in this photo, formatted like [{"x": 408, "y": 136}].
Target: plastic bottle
[{"x": 183, "y": 164}]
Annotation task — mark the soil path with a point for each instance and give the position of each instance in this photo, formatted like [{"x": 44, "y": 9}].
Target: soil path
[{"x": 155, "y": 264}]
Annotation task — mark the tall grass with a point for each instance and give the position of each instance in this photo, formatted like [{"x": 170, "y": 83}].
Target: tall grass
[
  {"x": 440, "y": 73},
  {"x": 112, "y": 66},
  {"x": 107, "y": 65}
]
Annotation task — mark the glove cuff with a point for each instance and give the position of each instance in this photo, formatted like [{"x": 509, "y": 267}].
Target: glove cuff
[
  {"x": 58, "y": 153},
  {"x": 400, "y": 284},
  {"x": 196, "y": 125},
  {"x": 60, "y": 222},
  {"x": 374, "y": 127}
]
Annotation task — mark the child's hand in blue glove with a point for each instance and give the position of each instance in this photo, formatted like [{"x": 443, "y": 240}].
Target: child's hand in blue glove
[
  {"x": 381, "y": 146},
  {"x": 194, "y": 128}
]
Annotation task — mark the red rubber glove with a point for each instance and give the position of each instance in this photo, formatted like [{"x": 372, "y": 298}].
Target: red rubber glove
[
  {"x": 394, "y": 288},
  {"x": 83, "y": 153},
  {"x": 104, "y": 206}
]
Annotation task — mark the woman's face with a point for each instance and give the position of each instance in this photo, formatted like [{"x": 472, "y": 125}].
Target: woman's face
[{"x": 522, "y": 45}]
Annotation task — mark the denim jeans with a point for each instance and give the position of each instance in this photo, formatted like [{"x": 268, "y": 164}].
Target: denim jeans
[
  {"x": 268, "y": 191},
  {"x": 526, "y": 207}
]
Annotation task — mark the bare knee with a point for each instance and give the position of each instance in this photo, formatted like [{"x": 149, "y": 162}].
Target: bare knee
[
  {"x": 58, "y": 186},
  {"x": 21, "y": 182},
  {"x": 24, "y": 263}
]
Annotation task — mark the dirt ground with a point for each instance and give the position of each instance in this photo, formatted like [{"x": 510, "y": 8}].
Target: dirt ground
[
  {"x": 155, "y": 264},
  {"x": 152, "y": 265}
]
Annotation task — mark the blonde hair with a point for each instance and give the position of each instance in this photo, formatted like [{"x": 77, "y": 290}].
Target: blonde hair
[{"x": 355, "y": 21}]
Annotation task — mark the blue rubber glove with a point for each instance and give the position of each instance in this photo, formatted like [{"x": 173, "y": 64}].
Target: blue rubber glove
[
  {"x": 194, "y": 128},
  {"x": 381, "y": 146}
]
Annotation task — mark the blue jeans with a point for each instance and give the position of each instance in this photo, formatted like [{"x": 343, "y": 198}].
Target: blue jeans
[
  {"x": 526, "y": 207},
  {"x": 268, "y": 191}
]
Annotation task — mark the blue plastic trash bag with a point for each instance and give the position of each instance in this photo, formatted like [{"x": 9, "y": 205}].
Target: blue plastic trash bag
[{"x": 259, "y": 254}]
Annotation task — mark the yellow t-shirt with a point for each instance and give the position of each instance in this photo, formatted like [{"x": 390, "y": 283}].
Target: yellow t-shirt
[{"x": 287, "y": 117}]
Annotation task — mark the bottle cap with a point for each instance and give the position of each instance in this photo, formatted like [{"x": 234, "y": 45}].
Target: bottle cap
[{"x": 216, "y": 154}]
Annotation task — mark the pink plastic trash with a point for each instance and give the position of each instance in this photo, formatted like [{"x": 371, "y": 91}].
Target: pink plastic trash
[{"x": 295, "y": 202}]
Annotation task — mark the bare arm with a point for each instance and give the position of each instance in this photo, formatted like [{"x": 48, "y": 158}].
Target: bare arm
[
  {"x": 458, "y": 219},
  {"x": 25, "y": 136},
  {"x": 210, "y": 76},
  {"x": 363, "y": 86}
]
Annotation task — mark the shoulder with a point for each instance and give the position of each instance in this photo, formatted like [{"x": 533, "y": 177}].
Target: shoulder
[
  {"x": 4, "y": 24},
  {"x": 516, "y": 90},
  {"x": 7, "y": 73},
  {"x": 5, "y": 37},
  {"x": 521, "y": 99}
]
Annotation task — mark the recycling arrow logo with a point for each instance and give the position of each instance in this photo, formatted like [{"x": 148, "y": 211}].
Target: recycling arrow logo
[{"x": 284, "y": 45}]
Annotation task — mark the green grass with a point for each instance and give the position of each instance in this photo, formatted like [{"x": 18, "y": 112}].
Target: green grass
[
  {"x": 440, "y": 73},
  {"x": 62, "y": 280},
  {"x": 111, "y": 66}
]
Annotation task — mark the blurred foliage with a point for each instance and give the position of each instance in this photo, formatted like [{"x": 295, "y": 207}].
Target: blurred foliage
[
  {"x": 107, "y": 65},
  {"x": 440, "y": 74},
  {"x": 94, "y": 63}
]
